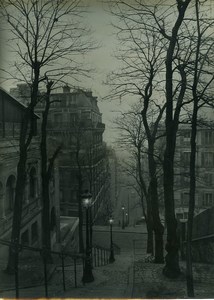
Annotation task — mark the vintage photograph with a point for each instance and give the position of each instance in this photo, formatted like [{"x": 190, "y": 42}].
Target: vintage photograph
[{"x": 107, "y": 149}]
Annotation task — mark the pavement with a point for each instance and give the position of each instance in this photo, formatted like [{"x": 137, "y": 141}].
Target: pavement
[{"x": 130, "y": 276}]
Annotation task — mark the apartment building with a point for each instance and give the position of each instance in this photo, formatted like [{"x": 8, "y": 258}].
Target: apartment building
[
  {"x": 76, "y": 122},
  {"x": 204, "y": 169}
]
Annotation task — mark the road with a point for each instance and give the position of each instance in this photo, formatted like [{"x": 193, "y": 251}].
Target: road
[{"x": 123, "y": 238}]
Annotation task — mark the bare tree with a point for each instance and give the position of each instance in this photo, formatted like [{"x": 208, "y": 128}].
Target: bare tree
[
  {"x": 142, "y": 58},
  {"x": 133, "y": 136},
  {"x": 46, "y": 38}
]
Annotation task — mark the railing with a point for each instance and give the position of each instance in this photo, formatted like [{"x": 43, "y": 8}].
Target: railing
[
  {"x": 61, "y": 262},
  {"x": 100, "y": 256}
]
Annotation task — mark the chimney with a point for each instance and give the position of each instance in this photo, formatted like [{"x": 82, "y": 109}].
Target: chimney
[{"x": 66, "y": 89}]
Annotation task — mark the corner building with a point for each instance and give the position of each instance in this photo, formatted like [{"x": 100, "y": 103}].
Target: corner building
[{"x": 76, "y": 122}]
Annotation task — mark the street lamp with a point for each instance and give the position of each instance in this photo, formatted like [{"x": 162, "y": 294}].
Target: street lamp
[
  {"x": 126, "y": 219},
  {"x": 87, "y": 272},
  {"x": 123, "y": 225},
  {"x": 111, "y": 257}
]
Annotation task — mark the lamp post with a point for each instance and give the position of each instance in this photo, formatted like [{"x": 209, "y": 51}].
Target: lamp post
[
  {"x": 123, "y": 224},
  {"x": 111, "y": 257},
  {"x": 87, "y": 272}
]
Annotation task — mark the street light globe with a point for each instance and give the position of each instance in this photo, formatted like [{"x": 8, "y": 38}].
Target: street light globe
[
  {"x": 86, "y": 202},
  {"x": 123, "y": 207},
  {"x": 126, "y": 214},
  {"x": 86, "y": 199},
  {"x": 111, "y": 221}
]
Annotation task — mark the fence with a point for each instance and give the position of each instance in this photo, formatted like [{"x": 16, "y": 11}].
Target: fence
[{"x": 100, "y": 256}]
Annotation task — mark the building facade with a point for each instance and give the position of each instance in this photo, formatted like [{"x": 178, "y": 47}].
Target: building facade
[
  {"x": 76, "y": 122},
  {"x": 11, "y": 115},
  {"x": 204, "y": 196}
]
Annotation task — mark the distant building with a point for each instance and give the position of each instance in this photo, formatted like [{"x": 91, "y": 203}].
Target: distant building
[
  {"x": 11, "y": 115},
  {"x": 113, "y": 167}
]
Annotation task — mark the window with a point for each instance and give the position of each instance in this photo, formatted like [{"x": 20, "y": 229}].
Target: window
[
  {"x": 53, "y": 219},
  {"x": 208, "y": 179},
  {"x": 207, "y": 159},
  {"x": 58, "y": 118},
  {"x": 85, "y": 115},
  {"x": 34, "y": 232},
  {"x": 207, "y": 137},
  {"x": 187, "y": 136},
  {"x": 10, "y": 194},
  {"x": 73, "y": 118},
  {"x": 208, "y": 199},
  {"x": 73, "y": 196},
  {"x": 185, "y": 199},
  {"x": 186, "y": 157},
  {"x": 185, "y": 178},
  {"x": 185, "y": 215},
  {"x": 25, "y": 238},
  {"x": 32, "y": 183}
]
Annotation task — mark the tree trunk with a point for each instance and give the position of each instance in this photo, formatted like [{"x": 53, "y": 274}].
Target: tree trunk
[
  {"x": 189, "y": 274},
  {"x": 17, "y": 216},
  {"x": 153, "y": 191},
  {"x": 171, "y": 268},
  {"x": 46, "y": 237},
  {"x": 149, "y": 226},
  {"x": 46, "y": 234}
]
